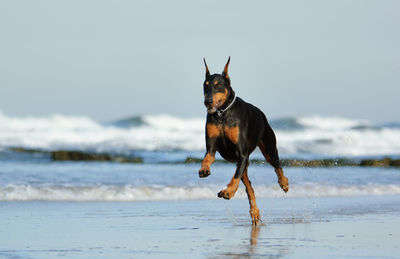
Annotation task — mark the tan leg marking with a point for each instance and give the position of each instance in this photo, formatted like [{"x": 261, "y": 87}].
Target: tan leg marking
[
  {"x": 205, "y": 165},
  {"x": 230, "y": 190},
  {"x": 254, "y": 211},
  {"x": 282, "y": 180}
]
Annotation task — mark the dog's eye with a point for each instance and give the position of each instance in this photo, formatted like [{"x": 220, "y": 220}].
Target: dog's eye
[
  {"x": 207, "y": 82},
  {"x": 215, "y": 82}
]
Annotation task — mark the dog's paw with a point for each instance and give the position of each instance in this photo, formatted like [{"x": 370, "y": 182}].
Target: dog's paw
[
  {"x": 284, "y": 183},
  {"x": 204, "y": 173},
  {"x": 255, "y": 216},
  {"x": 226, "y": 194}
]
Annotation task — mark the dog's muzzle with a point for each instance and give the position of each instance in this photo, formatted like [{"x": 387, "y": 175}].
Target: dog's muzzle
[{"x": 208, "y": 102}]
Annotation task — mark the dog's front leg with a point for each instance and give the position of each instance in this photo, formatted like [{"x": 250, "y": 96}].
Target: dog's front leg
[
  {"x": 233, "y": 185},
  {"x": 209, "y": 158}
]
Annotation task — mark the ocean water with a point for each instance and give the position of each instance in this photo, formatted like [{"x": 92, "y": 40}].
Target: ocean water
[
  {"x": 164, "y": 141},
  {"x": 297, "y": 137},
  {"x": 94, "y": 181}
]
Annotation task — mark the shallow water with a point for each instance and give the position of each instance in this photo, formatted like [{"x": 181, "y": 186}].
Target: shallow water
[
  {"x": 291, "y": 228},
  {"x": 104, "y": 181}
]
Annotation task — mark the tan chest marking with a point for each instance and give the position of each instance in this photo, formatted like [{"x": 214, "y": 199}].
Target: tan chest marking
[
  {"x": 232, "y": 133},
  {"x": 214, "y": 131}
]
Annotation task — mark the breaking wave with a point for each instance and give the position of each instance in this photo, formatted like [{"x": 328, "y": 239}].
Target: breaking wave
[
  {"x": 105, "y": 193},
  {"x": 324, "y": 136}
]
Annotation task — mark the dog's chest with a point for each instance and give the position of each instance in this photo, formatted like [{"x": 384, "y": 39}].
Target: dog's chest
[{"x": 223, "y": 131}]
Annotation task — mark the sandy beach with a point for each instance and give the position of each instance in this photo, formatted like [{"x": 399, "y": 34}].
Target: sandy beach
[{"x": 357, "y": 227}]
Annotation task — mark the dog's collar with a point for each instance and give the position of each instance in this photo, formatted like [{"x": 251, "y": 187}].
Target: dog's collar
[{"x": 220, "y": 112}]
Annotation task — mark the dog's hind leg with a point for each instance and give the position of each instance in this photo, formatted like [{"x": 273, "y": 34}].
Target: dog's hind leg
[
  {"x": 254, "y": 211},
  {"x": 268, "y": 148}
]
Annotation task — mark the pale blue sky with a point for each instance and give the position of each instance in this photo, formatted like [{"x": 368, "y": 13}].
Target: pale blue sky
[{"x": 113, "y": 59}]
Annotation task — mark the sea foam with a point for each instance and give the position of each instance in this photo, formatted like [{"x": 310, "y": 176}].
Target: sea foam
[
  {"x": 316, "y": 135},
  {"x": 128, "y": 193}
]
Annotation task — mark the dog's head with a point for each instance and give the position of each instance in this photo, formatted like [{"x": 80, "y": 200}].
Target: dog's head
[{"x": 217, "y": 89}]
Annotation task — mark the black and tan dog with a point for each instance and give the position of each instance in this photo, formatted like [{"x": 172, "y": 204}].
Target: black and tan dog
[{"x": 235, "y": 128}]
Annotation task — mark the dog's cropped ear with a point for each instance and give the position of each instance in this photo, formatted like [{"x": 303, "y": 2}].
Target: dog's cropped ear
[
  {"x": 225, "y": 73},
  {"x": 207, "y": 71}
]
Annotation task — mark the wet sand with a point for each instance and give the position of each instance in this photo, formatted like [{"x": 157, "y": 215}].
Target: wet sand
[{"x": 362, "y": 227}]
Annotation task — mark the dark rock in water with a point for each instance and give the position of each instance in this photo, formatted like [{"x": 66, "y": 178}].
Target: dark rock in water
[
  {"x": 70, "y": 155},
  {"x": 395, "y": 162},
  {"x": 318, "y": 162},
  {"x": 292, "y": 162},
  {"x": 65, "y": 155},
  {"x": 386, "y": 162}
]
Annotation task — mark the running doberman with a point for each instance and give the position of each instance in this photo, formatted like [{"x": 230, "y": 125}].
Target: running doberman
[{"x": 235, "y": 128}]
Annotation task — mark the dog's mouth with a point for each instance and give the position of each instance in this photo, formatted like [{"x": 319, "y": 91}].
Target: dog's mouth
[{"x": 214, "y": 107}]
